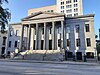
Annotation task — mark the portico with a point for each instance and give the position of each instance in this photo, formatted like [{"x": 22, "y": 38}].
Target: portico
[{"x": 42, "y": 31}]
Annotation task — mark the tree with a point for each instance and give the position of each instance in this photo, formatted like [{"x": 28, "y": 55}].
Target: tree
[
  {"x": 98, "y": 47},
  {"x": 96, "y": 36},
  {"x": 4, "y": 15}
]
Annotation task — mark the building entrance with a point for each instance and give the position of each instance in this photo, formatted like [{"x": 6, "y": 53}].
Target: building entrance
[{"x": 79, "y": 55}]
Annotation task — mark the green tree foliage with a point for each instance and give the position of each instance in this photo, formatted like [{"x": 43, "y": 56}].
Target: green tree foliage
[
  {"x": 98, "y": 47},
  {"x": 96, "y": 36},
  {"x": 4, "y": 15}
]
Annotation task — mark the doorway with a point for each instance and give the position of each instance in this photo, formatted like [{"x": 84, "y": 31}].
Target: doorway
[{"x": 79, "y": 55}]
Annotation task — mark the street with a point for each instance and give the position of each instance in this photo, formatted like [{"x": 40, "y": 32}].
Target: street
[{"x": 23, "y": 68}]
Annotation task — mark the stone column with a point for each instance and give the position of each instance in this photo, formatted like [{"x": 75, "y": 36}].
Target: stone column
[
  {"x": 62, "y": 34},
  {"x": 39, "y": 37},
  {"x": 53, "y": 36},
  {"x": 65, "y": 39},
  {"x": 36, "y": 43},
  {"x": 82, "y": 37},
  {"x": 21, "y": 39},
  {"x": 29, "y": 35},
  {"x": 72, "y": 39},
  {"x": 44, "y": 36},
  {"x": 33, "y": 38}
]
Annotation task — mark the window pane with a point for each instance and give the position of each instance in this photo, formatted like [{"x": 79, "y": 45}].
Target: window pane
[
  {"x": 87, "y": 28},
  {"x": 77, "y": 28},
  {"x": 17, "y": 32},
  {"x": 90, "y": 55},
  {"x": 4, "y": 40},
  {"x": 88, "y": 42},
  {"x": 9, "y": 43},
  {"x": 68, "y": 42},
  {"x": 68, "y": 29},
  {"x": 78, "y": 42},
  {"x": 15, "y": 43}
]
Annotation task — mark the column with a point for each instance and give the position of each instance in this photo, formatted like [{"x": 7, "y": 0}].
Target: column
[
  {"x": 33, "y": 37},
  {"x": 65, "y": 39},
  {"x": 82, "y": 37},
  {"x": 72, "y": 38},
  {"x": 29, "y": 35},
  {"x": 62, "y": 34},
  {"x": 21, "y": 39},
  {"x": 44, "y": 36},
  {"x": 36, "y": 43},
  {"x": 53, "y": 36},
  {"x": 39, "y": 37}
]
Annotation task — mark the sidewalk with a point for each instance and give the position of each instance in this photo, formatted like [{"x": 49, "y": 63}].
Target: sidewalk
[{"x": 53, "y": 62}]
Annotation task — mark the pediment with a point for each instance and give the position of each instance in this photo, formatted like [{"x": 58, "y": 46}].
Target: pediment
[{"x": 42, "y": 15}]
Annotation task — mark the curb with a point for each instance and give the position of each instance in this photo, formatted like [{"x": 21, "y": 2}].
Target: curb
[{"x": 52, "y": 62}]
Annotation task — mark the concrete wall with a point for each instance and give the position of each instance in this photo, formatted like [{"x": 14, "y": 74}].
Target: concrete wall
[
  {"x": 43, "y": 9},
  {"x": 1, "y": 41}
]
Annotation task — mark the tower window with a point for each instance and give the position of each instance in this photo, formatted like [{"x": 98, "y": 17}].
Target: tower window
[
  {"x": 88, "y": 40},
  {"x": 87, "y": 28}
]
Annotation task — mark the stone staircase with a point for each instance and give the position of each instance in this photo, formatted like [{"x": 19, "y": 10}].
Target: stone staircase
[{"x": 46, "y": 55}]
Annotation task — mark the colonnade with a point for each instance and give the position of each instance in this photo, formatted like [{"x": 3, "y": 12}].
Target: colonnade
[{"x": 37, "y": 34}]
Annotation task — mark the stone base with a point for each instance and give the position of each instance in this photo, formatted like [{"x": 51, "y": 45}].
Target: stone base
[{"x": 49, "y": 55}]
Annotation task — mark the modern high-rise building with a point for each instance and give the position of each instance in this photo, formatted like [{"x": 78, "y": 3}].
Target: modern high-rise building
[{"x": 70, "y": 7}]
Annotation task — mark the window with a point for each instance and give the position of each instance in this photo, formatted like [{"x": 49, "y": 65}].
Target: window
[
  {"x": 15, "y": 43},
  {"x": 69, "y": 54},
  {"x": 76, "y": 14},
  {"x": 90, "y": 55},
  {"x": 78, "y": 42},
  {"x": 88, "y": 40},
  {"x": 9, "y": 43},
  {"x": 50, "y": 30},
  {"x": 62, "y": 11},
  {"x": 11, "y": 32},
  {"x": 3, "y": 50},
  {"x": 69, "y": 15},
  {"x": 8, "y": 53},
  {"x": 75, "y": 5},
  {"x": 69, "y": 1},
  {"x": 4, "y": 40},
  {"x": 59, "y": 43},
  {"x": 59, "y": 29},
  {"x": 76, "y": 10},
  {"x": 35, "y": 31},
  {"x": 87, "y": 28},
  {"x": 68, "y": 42},
  {"x": 77, "y": 28},
  {"x": 68, "y": 29},
  {"x": 51, "y": 10},
  {"x": 68, "y": 6},
  {"x": 75, "y": 0},
  {"x": 17, "y": 32},
  {"x": 69, "y": 11},
  {"x": 62, "y": 7},
  {"x": 62, "y": 3},
  {"x": 42, "y": 30}
]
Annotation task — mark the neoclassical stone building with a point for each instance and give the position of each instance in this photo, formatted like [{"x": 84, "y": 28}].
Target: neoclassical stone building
[{"x": 54, "y": 31}]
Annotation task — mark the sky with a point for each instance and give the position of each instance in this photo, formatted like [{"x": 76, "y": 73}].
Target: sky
[{"x": 19, "y": 9}]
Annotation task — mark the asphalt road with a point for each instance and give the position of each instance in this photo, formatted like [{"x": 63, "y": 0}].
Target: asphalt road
[{"x": 22, "y": 68}]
